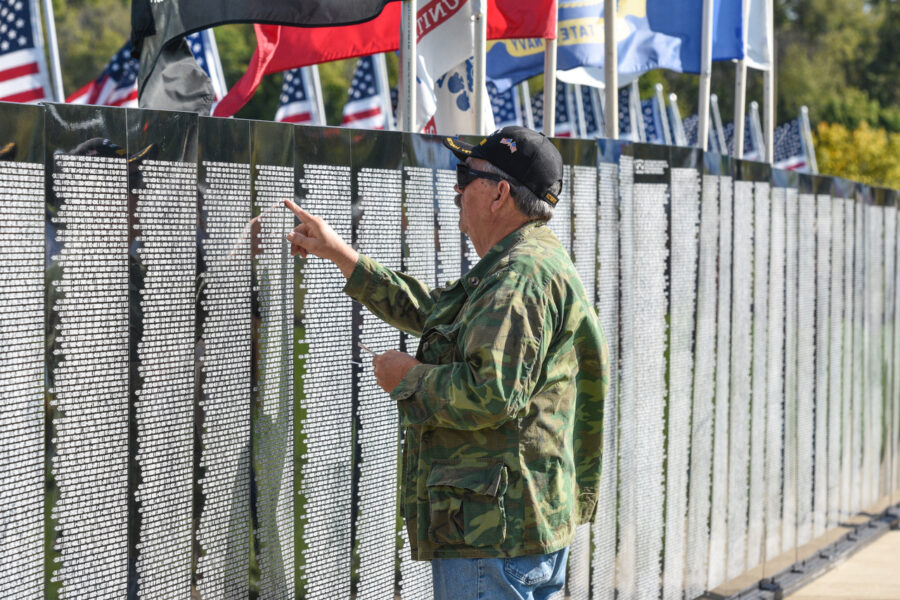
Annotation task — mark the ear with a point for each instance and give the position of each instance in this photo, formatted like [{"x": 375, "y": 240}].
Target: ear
[{"x": 503, "y": 199}]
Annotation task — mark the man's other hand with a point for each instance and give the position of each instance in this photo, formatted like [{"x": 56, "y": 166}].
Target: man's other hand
[{"x": 391, "y": 367}]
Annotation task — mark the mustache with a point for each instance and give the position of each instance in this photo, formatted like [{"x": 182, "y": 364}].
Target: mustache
[{"x": 457, "y": 200}]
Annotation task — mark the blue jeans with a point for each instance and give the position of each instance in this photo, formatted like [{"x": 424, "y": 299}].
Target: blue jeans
[{"x": 534, "y": 577}]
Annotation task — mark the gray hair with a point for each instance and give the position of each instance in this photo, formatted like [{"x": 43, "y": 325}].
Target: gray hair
[{"x": 526, "y": 201}]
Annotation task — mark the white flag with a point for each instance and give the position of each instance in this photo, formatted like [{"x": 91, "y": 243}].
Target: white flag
[
  {"x": 446, "y": 33},
  {"x": 455, "y": 99},
  {"x": 758, "y": 41}
]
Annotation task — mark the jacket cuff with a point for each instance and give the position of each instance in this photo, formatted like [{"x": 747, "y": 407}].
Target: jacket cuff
[
  {"x": 411, "y": 404},
  {"x": 363, "y": 278}
]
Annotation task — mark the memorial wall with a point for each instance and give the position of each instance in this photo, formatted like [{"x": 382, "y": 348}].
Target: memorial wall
[{"x": 187, "y": 411}]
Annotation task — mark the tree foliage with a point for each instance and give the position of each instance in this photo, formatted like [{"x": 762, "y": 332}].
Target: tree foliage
[
  {"x": 864, "y": 154},
  {"x": 89, "y": 32}
]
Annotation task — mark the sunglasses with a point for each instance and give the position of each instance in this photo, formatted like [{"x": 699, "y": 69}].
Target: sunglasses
[{"x": 465, "y": 175}]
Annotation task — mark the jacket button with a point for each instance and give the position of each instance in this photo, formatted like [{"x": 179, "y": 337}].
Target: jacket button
[
  {"x": 473, "y": 281},
  {"x": 425, "y": 345}
]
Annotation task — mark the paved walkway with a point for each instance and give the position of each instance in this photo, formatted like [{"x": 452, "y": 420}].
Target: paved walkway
[{"x": 873, "y": 573}]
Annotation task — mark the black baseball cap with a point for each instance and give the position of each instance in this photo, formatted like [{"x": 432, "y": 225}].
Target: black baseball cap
[{"x": 526, "y": 155}]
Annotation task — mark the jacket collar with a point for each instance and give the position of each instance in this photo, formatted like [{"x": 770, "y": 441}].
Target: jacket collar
[{"x": 474, "y": 277}]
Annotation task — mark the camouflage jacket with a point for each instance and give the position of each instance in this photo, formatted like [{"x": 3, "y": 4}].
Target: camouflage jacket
[{"x": 504, "y": 418}]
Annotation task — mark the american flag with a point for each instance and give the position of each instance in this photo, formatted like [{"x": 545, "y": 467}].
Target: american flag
[
  {"x": 206, "y": 53},
  {"x": 789, "y": 152},
  {"x": 691, "y": 124},
  {"x": 296, "y": 104},
  {"x": 23, "y": 75},
  {"x": 117, "y": 84},
  {"x": 565, "y": 126},
  {"x": 653, "y": 125},
  {"x": 506, "y": 106},
  {"x": 627, "y": 131},
  {"x": 593, "y": 115},
  {"x": 365, "y": 103},
  {"x": 750, "y": 153}
]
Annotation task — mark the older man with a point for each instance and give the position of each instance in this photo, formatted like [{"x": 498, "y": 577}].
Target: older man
[{"x": 503, "y": 402}]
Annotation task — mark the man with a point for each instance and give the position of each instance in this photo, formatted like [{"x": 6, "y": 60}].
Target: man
[{"x": 503, "y": 401}]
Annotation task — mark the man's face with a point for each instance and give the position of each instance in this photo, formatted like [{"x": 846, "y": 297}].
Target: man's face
[{"x": 474, "y": 201}]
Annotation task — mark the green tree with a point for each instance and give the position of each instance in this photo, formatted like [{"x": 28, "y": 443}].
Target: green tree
[
  {"x": 863, "y": 154},
  {"x": 89, "y": 32}
]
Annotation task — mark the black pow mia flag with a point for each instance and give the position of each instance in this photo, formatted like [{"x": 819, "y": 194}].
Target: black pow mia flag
[{"x": 167, "y": 79}]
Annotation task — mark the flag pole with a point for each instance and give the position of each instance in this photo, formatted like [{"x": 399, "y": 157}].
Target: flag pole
[
  {"x": 317, "y": 92},
  {"x": 408, "y": 66},
  {"x": 768, "y": 115},
  {"x": 526, "y": 105},
  {"x": 597, "y": 106},
  {"x": 677, "y": 124},
  {"x": 53, "y": 51},
  {"x": 717, "y": 122},
  {"x": 381, "y": 77},
  {"x": 600, "y": 101},
  {"x": 480, "y": 65},
  {"x": 740, "y": 111},
  {"x": 214, "y": 50},
  {"x": 705, "y": 75},
  {"x": 740, "y": 91},
  {"x": 769, "y": 86},
  {"x": 663, "y": 114},
  {"x": 550, "y": 87},
  {"x": 610, "y": 70},
  {"x": 756, "y": 131},
  {"x": 579, "y": 111},
  {"x": 807, "y": 139},
  {"x": 637, "y": 116}
]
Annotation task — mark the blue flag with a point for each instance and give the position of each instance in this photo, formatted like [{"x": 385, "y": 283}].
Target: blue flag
[{"x": 653, "y": 34}]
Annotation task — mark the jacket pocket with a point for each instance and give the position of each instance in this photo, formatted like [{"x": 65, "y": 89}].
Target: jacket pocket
[
  {"x": 438, "y": 344},
  {"x": 466, "y": 502}
]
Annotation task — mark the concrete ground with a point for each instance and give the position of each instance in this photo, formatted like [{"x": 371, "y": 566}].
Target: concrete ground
[{"x": 873, "y": 573}]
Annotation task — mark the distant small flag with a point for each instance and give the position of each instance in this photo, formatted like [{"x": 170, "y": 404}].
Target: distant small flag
[
  {"x": 627, "y": 131},
  {"x": 117, "y": 84},
  {"x": 593, "y": 115},
  {"x": 365, "y": 105},
  {"x": 23, "y": 75},
  {"x": 750, "y": 153},
  {"x": 296, "y": 105},
  {"x": 206, "y": 53},
  {"x": 692, "y": 123},
  {"x": 789, "y": 152},
  {"x": 507, "y": 107},
  {"x": 653, "y": 125},
  {"x": 565, "y": 122},
  {"x": 395, "y": 101}
]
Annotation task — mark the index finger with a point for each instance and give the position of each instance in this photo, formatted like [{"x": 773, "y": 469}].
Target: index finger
[{"x": 302, "y": 214}]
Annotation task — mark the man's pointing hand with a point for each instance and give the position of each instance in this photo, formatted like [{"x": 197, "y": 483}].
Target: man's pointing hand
[{"x": 315, "y": 236}]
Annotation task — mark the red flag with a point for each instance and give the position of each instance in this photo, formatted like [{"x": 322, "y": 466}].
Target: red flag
[
  {"x": 279, "y": 48},
  {"x": 514, "y": 19}
]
